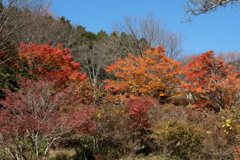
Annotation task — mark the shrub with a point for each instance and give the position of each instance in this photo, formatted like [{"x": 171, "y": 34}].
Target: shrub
[
  {"x": 176, "y": 138},
  {"x": 181, "y": 101},
  {"x": 219, "y": 131},
  {"x": 60, "y": 156},
  {"x": 222, "y": 134},
  {"x": 124, "y": 126},
  {"x": 137, "y": 109}
]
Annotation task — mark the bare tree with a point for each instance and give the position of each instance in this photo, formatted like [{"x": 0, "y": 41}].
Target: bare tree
[
  {"x": 154, "y": 31},
  {"x": 13, "y": 17},
  {"x": 121, "y": 44},
  {"x": 197, "y": 7},
  {"x": 96, "y": 52},
  {"x": 94, "y": 61},
  {"x": 35, "y": 6},
  {"x": 48, "y": 30},
  {"x": 231, "y": 58}
]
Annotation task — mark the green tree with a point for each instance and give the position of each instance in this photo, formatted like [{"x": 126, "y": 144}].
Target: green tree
[
  {"x": 9, "y": 75},
  {"x": 102, "y": 35}
]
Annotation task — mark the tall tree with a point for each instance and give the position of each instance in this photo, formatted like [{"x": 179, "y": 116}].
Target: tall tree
[
  {"x": 50, "y": 63},
  {"x": 120, "y": 44},
  {"x": 94, "y": 55},
  {"x": 153, "y": 74},
  {"x": 153, "y": 30},
  {"x": 232, "y": 58},
  {"x": 45, "y": 29},
  {"x": 96, "y": 51},
  {"x": 33, "y": 119},
  {"x": 55, "y": 64},
  {"x": 211, "y": 82},
  {"x": 13, "y": 17}
]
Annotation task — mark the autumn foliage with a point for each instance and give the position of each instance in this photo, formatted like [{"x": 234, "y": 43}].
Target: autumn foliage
[
  {"x": 36, "y": 113},
  {"x": 211, "y": 82},
  {"x": 55, "y": 64},
  {"x": 146, "y": 96},
  {"x": 50, "y": 63},
  {"x": 153, "y": 74},
  {"x": 138, "y": 109}
]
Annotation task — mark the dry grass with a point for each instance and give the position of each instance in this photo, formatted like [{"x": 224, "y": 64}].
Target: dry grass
[
  {"x": 53, "y": 153},
  {"x": 153, "y": 157}
]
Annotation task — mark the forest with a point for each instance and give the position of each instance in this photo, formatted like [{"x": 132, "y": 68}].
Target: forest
[{"x": 68, "y": 93}]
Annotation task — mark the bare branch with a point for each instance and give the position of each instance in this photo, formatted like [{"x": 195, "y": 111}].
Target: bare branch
[
  {"x": 14, "y": 16},
  {"x": 197, "y": 7},
  {"x": 152, "y": 30}
]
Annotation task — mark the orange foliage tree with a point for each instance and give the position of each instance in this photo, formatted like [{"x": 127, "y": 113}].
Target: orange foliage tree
[
  {"x": 211, "y": 82},
  {"x": 153, "y": 74},
  {"x": 54, "y": 64},
  {"x": 49, "y": 62}
]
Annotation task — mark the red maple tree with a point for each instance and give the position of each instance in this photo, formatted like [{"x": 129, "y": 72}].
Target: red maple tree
[
  {"x": 36, "y": 116},
  {"x": 211, "y": 82},
  {"x": 51, "y": 63},
  {"x": 55, "y": 64},
  {"x": 138, "y": 108}
]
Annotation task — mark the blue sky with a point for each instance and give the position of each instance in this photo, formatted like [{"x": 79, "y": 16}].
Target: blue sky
[{"x": 218, "y": 31}]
